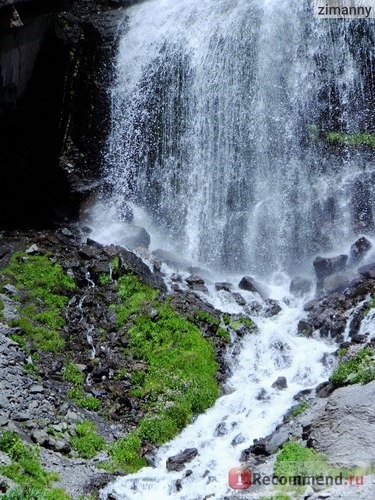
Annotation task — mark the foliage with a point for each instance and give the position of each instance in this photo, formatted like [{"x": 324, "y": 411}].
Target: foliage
[
  {"x": 44, "y": 289},
  {"x": 278, "y": 496},
  {"x": 359, "y": 368},
  {"x": 104, "y": 279},
  {"x": 295, "y": 460},
  {"x": 125, "y": 453},
  {"x": 25, "y": 493},
  {"x": 299, "y": 409},
  {"x": 236, "y": 325},
  {"x": 73, "y": 374},
  {"x": 179, "y": 378},
  {"x": 80, "y": 399},
  {"x": 86, "y": 442},
  {"x": 25, "y": 468},
  {"x": 223, "y": 334},
  {"x": 206, "y": 317},
  {"x": 351, "y": 139}
]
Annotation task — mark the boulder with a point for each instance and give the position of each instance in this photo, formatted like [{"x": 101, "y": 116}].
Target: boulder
[
  {"x": 239, "y": 299},
  {"x": 300, "y": 286},
  {"x": 136, "y": 236},
  {"x": 177, "y": 462},
  {"x": 249, "y": 284},
  {"x": 227, "y": 287},
  {"x": 367, "y": 271},
  {"x": 344, "y": 430},
  {"x": 305, "y": 329},
  {"x": 359, "y": 249},
  {"x": 280, "y": 383},
  {"x": 325, "y": 266}
]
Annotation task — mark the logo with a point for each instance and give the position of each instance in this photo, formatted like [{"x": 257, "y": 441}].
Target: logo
[{"x": 239, "y": 478}]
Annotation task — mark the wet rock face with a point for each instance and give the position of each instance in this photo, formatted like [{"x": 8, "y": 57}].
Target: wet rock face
[
  {"x": 325, "y": 266},
  {"x": 361, "y": 207},
  {"x": 359, "y": 249},
  {"x": 177, "y": 462},
  {"x": 300, "y": 286}
]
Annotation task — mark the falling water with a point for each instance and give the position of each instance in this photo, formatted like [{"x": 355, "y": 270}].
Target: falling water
[{"x": 220, "y": 114}]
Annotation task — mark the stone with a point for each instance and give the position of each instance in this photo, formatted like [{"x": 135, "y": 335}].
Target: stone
[
  {"x": 359, "y": 249},
  {"x": 177, "y": 462},
  {"x": 367, "y": 271},
  {"x": 32, "y": 250},
  {"x": 36, "y": 389},
  {"x": 280, "y": 383},
  {"x": 223, "y": 286},
  {"x": 239, "y": 299},
  {"x": 221, "y": 429},
  {"x": 325, "y": 266},
  {"x": 194, "y": 280},
  {"x": 305, "y": 329},
  {"x": 136, "y": 236},
  {"x": 309, "y": 492},
  {"x": 249, "y": 284},
  {"x": 272, "y": 308},
  {"x": 11, "y": 289},
  {"x": 344, "y": 430},
  {"x": 300, "y": 286}
]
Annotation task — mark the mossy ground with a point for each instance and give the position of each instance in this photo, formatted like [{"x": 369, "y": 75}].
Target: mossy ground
[
  {"x": 25, "y": 469},
  {"x": 179, "y": 378},
  {"x": 358, "y": 368},
  {"x": 44, "y": 293}
]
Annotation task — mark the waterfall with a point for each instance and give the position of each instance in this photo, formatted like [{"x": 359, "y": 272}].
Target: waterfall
[
  {"x": 220, "y": 116},
  {"x": 220, "y": 113}
]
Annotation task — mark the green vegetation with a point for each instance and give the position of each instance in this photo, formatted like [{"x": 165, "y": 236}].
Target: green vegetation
[
  {"x": 86, "y": 442},
  {"x": 223, "y": 334},
  {"x": 180, "y": 375},
  {"x": 237, "y": 324},
  {"x": 351, "y": 139},
  {"x": 26, "y": 470},
  {"x": 226, "y": 319},
  {"x": 1, "y": 309},
  {"x": 295, "y": 460},
  {"x": 278, "y": 496},
  {"x": 125, "y": 454},
  {"x": 81, "y": 399},
  {"x": 104, "y": 279},
  {"x": 44, "y": 289},
  {"x": 299, "y": 409},
  {"x": 25, "y": 493},
  {"x": 206, "y": 317},
  {"x": 356, "y": 369},
  {"x": 73, "y": 374}
]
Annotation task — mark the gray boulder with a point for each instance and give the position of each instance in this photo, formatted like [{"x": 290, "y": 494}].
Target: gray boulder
[{"x": 359, "y": 249}]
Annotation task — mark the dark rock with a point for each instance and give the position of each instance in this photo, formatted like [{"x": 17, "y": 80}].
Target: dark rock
[
  {"x": 249, "y": 284},
  {"x": 325, "y": 266},
  {"x": 367, "y": 271},
  {"x": 300, "y": 286},
  {"x": 324, "y": 389},
  {"x": 223, "y": 286},
  {"x": 359, "y": 249},
  {"x": 301, "y": 394},
  {"x": 305, "y": 329},
  {"x": 221, "y": 429},
  {"x": 280, "y": 383},
  {"x": 272, "y": 308},
  {"x": 239, "y": 299},
  {"x": 177, "y": 462},
  {"x": 262, "y": 395},
  {"x": 336, "y": 282},
  {"x": 194, "y": 280},
  {"x": 137, "y": 236}
]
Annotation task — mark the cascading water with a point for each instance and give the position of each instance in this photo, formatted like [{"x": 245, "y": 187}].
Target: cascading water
[
  {"x": 220, "y": 114},
  {"x": 220, "y": 109}
]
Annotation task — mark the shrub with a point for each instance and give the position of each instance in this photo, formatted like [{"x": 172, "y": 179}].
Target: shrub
[
  {"x": 86, "y": 441},
  {"x": 359, "y": 368}
]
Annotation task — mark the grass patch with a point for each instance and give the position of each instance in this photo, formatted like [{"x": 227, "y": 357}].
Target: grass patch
[
  {"x": 205, "y": 317},
  {"x": 78, "y": 396},
  {"x": 44, "y": 289},
  {"x": 238, "y": 323},
  {"x": 299, "y": 409},
  {"x": 86, "y": 442},
  {"x": 73, "y": 374},
  {"x": 356, "y": 369},
  {"x": 104, "y": 279},
  {"x": 279, "y": 496},
  {"x": 351, "y": 139},
  {"x": 25, "y": 468},
  {"x": 180, "y": 375},
  {"x": 25, "y": 493},
  {"x": 223, "y": 334}
]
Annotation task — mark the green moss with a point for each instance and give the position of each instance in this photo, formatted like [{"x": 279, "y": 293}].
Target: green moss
[
  {"x": 206, "y": 317},
  {"x": 44, "y": 289},
  {"x": 300, "y": 409},
  {"x": 223, "y": 334},
  {"x": 104, "y": 279},
  {"x": 226, "y": 319},
  {"x": 116, "y": 264},
  {"x": 25, "y": 468},
  {"x": 121, "y": 374},
  {"x": 73, "y": 374},
  {"x": 351, "y": 139},
  {"x": 86, "y": 442},
  {"x": 357, "y": 369},
  {"x": 1, "y": 309},
  {"x": 278, "y": 496},
  {"x": 179, "y": 378},
  {"x": 237, "y": 324},
  {"x": 82, "y": 400},
  {"x": 125, "y": 453}
]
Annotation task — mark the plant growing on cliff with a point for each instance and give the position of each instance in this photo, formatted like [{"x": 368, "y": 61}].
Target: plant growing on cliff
[
  {"x": 355, "y": 369},
  {"x": 86, "y": 442},
  {"x": 44, "y": 290},
  {"x": 352, "y": 139},
  {"x": 25, "y": 469}
]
